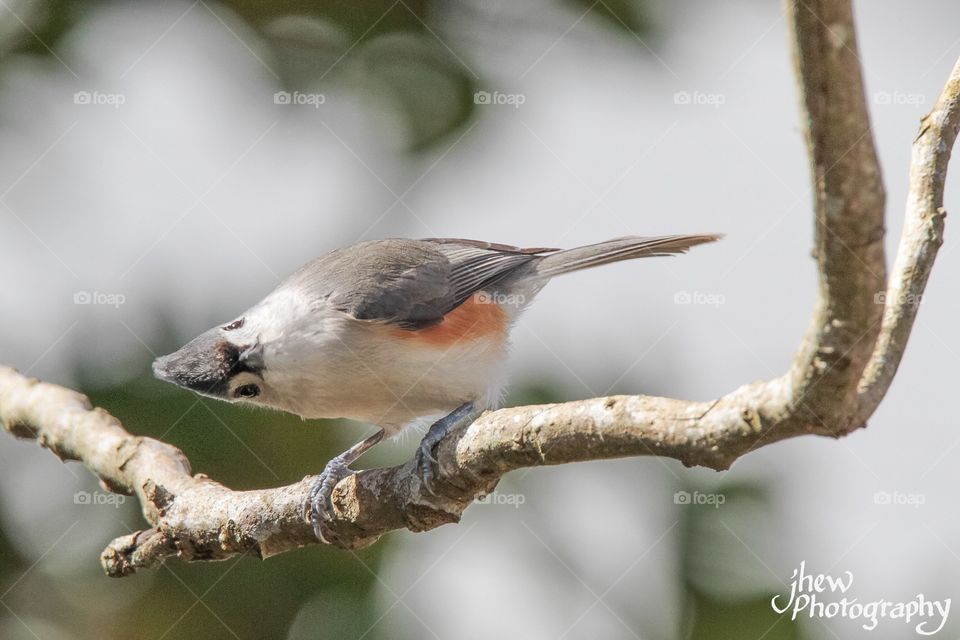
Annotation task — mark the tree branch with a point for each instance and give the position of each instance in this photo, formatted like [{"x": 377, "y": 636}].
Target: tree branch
[
  {"x": 849, "y": 203},
  {"x": 919, "y": 243},
  {"x": 842, "y": 369}
]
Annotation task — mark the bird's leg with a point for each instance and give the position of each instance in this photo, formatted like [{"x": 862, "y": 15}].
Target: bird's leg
[
  {"x": 435, "y": 434},
  {"x": 321, "y": 494}
]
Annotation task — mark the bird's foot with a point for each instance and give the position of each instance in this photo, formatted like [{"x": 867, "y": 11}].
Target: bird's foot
[
  {"x": 320, "y": 504},
  {"x": 321, "y": 497},
  {"x": 438, "y": 430}
]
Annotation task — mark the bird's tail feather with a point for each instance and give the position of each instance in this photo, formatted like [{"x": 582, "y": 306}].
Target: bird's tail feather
[{"x": 615, "y": 250}]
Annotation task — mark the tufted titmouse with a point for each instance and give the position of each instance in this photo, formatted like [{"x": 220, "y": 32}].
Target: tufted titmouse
[{"x": 390, "y": 332}]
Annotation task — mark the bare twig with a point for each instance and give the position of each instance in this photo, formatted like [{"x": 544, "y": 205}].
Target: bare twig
[
  {"x": 842, "y": 370},
  {"x": 921, "y": 239}
]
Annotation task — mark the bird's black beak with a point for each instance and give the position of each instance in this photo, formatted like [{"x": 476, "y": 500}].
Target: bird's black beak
[{"x": 204, "y": 364}]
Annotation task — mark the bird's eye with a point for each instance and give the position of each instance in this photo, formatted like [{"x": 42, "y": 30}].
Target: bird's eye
[
  {"x": 247, "y": 391},
  {"x": 236, "y": 324}
]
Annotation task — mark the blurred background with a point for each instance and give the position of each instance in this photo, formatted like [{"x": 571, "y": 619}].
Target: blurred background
[{"x": 164, "y": 165}]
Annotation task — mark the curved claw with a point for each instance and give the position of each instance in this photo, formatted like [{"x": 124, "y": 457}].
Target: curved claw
[
  {"x": 425, "y": 461},
  {"x": 438, "y": 430},
  {"x": 321, "y": 496},
  {"x": 321, "y": 493}
]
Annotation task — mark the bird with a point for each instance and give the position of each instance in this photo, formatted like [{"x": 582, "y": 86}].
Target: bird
[{"x": 394, "y": 333}]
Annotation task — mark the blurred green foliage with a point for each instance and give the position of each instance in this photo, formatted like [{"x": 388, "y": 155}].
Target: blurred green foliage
[
  {"x": 724, "y": 597},
  {"x": 394, "y": 52},
  {"x": 621, "y": 15}
]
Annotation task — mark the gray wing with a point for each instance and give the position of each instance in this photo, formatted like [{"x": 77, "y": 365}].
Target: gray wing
[{"x": 410, "y": 283}]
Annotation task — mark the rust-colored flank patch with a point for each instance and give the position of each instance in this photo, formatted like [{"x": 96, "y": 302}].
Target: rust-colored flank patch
[{"x": 476, "y": 318}]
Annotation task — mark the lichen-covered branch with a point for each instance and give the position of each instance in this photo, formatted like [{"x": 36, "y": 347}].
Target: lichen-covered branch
[{"x": 856, "y": 337}]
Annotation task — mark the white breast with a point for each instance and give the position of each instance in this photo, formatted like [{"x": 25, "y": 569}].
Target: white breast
[{"x": 348, "y": 368}]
